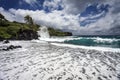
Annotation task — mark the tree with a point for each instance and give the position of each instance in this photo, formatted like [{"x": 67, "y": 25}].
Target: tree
[
  {"x": 2, "y": 17},
  {"x": 3, "y": 21},
  {"x": 28, "y": 20}
]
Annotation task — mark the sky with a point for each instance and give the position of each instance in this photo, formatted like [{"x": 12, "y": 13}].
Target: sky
[{"x": 81, "y": 17}]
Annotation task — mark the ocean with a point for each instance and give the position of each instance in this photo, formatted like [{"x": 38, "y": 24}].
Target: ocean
[{"x": 96, "y": 41}]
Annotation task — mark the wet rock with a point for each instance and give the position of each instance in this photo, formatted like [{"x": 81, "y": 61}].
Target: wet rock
[
  {"x": 27, "y": 35},
  {"x": 4, "y": 50},
  {"x": 6, "y": 41},
  {"x": 11, "y": 47}
]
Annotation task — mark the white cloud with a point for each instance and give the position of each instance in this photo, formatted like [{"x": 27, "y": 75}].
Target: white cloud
[
  {"x": 7, "y": 14},
  {"x": 53, "y": 19},
  {"x": 104, "y": 25},
  {"x": 52, "y": 5},
  {"x": 77, "y": 6},
  {"x": 30, "y": 1}
]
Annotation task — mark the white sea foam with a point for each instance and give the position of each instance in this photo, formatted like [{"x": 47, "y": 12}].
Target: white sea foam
[
  {"x": 88, "y": 47},
  {"x": 39, "y": 41},
  {"x": 59, "y": 39},
  {"x": 98, "y": 39},
  {"x": 45, "y": 61},
  {"x": 95, "y": 39}
]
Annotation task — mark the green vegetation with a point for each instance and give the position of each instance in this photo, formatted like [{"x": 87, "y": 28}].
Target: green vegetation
[
  {"x": 56, "y": 32},
  {"x": 3, "y": 21},
  {"x": 28, "y": 20},
  {"x": 10, "y": 30},
  {"x": 23, "y": 31}
]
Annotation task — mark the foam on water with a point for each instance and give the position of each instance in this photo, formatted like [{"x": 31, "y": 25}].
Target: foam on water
[
  {"x": 95, "y": 41},
  {"x": 86, "y": 47},
  {"x": 43, "y": 33},
  {"x": 58, "y": 39},
  {"x": 62, "y": 39},
  {"x": 98, "y": 39},
  {"x": 43, "y": 61}
]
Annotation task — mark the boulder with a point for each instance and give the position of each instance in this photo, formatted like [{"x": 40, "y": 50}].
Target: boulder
[
  {"x": 6, "y": 41},
  {"x": 27, "y": 35}
]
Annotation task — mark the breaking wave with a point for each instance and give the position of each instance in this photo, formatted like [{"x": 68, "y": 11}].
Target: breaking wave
[
  {"x": 96, "y": 41},
  {"x": 112, "y": 42}
]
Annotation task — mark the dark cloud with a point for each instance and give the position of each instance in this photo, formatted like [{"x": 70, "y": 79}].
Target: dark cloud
[{"x": 77, "y": 6}]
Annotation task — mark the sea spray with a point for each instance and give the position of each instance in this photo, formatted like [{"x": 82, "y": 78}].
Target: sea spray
[{"x": 43, "y": 32}]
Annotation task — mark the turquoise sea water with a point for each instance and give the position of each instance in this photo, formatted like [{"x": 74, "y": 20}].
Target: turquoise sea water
[{"x": 99, "y": 41}]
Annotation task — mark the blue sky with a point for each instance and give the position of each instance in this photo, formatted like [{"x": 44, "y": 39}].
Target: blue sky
[
  {"x": 82, "y": 17},
  {"x": 21, "y": 4}
]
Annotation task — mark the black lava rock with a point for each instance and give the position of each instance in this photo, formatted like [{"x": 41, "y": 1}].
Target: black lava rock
[
  {"x": 6, "y": 41},
  {"x": 27, "y": 35},
  {"x": 11, "y": 47}
]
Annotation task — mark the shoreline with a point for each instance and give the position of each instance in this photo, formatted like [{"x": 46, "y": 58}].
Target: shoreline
[
  {"x": 40, "y": 60},
  {"x": 62, "y": 44},
  {"x": 87, "y": 47}
]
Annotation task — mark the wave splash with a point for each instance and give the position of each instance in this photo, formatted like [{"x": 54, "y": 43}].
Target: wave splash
[{"x": 43, "y": 33}]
